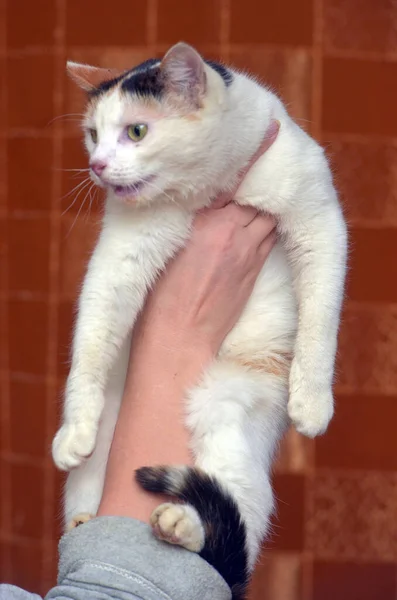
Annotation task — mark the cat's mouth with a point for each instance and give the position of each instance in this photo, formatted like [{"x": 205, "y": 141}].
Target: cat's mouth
[{"x": 132, "y": 189}]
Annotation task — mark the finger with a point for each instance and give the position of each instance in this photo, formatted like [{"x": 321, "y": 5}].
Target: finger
[
  {"x": 260, "y": 228},
  {"x": 271, "y": 134},
  {"x": 242, "y": 215},
  {"x": 267, "y": 245},
  {"x": 222, "y": 199}
]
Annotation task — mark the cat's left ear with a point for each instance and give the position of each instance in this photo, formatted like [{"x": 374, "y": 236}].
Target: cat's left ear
[
  {"x": 184, "y": 72},
  {"x": 88, "y": 77}
]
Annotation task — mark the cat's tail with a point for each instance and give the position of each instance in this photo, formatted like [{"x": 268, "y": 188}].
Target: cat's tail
[{"x": 225, "y": 532}]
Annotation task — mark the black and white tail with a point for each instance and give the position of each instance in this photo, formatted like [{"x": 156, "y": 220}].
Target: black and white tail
[{"x": 225, "y": 533}]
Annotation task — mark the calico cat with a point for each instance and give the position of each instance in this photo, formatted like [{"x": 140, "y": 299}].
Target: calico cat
[{"x": 163, "y": 139}]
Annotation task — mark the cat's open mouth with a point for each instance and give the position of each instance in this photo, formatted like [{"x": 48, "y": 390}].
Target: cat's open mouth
[{"x": 130, "y": 190}]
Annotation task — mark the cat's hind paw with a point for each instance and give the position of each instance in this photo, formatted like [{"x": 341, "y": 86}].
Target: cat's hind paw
[
  {"x": 73, "y": 443},
  {"x": 79, "y": 520},
  {"x": 178, "y": 524}
]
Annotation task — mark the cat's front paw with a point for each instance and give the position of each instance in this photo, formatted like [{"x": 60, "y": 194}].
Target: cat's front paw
[
  {"x": 178, "y": 524},
  {"x": 311, "y": 413},
  {"x": 73, "y": 443}
]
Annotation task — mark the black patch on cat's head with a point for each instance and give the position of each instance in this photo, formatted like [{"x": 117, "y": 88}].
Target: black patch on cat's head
[
  {"x": 145, "y": 80},
  {"x": 223, "y": 71},
  {"x": 105, "y": 86}
]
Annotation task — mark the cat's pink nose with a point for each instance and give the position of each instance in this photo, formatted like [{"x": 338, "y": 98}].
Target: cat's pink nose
[{"x": 98, "y": 166}]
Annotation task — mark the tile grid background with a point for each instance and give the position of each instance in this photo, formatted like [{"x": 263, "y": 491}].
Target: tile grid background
[{"x": 335, "y": 64}]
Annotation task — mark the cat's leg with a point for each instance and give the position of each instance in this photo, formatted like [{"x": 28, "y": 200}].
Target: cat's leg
[
  {"x": 318, "y": 250},
  {"x": 314, "y": 234},
  {"x": 84, "y": 485},
  {"x": 113, "y": 293},
  {"x": 236, "y": 418}
]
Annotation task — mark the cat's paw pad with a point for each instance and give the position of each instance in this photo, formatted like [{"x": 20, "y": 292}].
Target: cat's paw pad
[
  {"x": 311, "y": 414},
  {"x": 178, "y": 524},
  {"x": 79, "y": 520},
  {"x": 73, "y": 443}
]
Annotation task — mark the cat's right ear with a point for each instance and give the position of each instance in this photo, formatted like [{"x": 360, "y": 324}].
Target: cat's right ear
[{"x": 89, "y": 78}]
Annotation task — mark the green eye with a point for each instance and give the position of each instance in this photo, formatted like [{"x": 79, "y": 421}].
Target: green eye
[
  {"x": 94, "y": 135},
  {"x": 137, "y": 132}
]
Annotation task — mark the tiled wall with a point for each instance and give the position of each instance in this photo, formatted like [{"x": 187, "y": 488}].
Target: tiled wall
[{"x": 335, "y": 64}]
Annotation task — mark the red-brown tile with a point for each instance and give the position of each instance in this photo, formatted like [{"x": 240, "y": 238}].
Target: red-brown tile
[
  {"x": 5, "y": 491},
  {"x": 28, "y": 418},
  {"x": 360, "y": 26},
  {"x": 366, "y": 175},
  {"x": 30, "y": 83},
  {"x": 367, "y": 361},
  {"x": 5, "y": 567},
  {"x": 373, "y": 270},
  {"x": 30, "y": 23},
  {"x": 28, "y": 327},
  {"x": 278, "y": 576},
  {"x": 353, "y": 581},
  {"x": 77, "y": 242},
  {"x": 285, "y": 22},
  {"x": 66, "y": 317},
  {"x": 99, "y": 24},
  {"x": 29, "y": 174},
  {"x": 29, "y": 254},
  {"x": 287, "y": 530},
  {"x": 352, "y": 516},
  {"x": 26, "y": 563},
  {"x": 188, "y": 21},
  {"x": 287, "y": 72},
  {"x": 27, "y": 492},
  {"x": 361, "y": 435},
  {"x": 359, "y": 96}
]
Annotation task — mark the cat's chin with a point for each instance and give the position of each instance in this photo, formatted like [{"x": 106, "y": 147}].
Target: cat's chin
[{"x": 131, "y": 192}]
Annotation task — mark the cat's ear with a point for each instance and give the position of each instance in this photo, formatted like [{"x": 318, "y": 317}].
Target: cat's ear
[
  {"x": 184, "y": 71},
  {"x": 89, "y": 78}
]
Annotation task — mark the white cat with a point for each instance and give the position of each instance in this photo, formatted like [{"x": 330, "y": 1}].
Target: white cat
[{"x": 161, "y": 138}]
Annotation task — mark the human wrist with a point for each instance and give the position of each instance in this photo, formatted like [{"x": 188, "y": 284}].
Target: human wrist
[{"x": 165, "y": 341}]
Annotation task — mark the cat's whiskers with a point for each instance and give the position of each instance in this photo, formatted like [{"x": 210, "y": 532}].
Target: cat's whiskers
[
  {"x": 70, "y": 116},
  {"x": 78, "y": 212},
  {"x": 83, "y": 186},
  {"x": 92, "y": 198}
]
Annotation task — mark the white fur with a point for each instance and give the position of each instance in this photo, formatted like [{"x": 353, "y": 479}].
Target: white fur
[{"x": 237, "y": 415}]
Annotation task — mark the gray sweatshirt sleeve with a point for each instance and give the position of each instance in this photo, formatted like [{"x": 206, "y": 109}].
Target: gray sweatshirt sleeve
[{"x": 118, "y": 558}]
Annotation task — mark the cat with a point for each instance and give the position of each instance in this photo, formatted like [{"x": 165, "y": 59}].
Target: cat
[{"x": 163, "y": 139}]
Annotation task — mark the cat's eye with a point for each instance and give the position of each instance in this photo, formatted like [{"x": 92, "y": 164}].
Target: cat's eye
[
  {"x": 137, "y": 132},
  {"x": 94, "y": 135}
]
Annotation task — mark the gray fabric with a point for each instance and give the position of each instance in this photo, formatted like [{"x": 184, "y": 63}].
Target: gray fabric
[{"x": 118, "y": 558}]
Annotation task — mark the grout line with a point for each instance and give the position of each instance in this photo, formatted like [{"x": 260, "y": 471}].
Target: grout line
[
  {"x": 224, "y": 34},
  {"x": 49, "y": 545},
  {"x": 316, "y": 117},
  {"x": 317, "y": 75},
  {"x": 13, "y": 458},
  {"x": 5, "y": 429},
  {"x": 329, "y": 52}
]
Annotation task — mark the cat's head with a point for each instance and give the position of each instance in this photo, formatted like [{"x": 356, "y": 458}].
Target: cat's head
[{"x": 154, "y": 130}]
